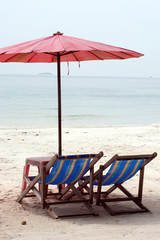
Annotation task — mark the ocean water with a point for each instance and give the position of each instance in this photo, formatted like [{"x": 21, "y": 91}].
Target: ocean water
[{"x": 31, "y": 101}]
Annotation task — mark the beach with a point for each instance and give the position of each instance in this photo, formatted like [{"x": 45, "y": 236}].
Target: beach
[
  {"x": 16, "y": 144},
  {"x": 61, "y": 70}
]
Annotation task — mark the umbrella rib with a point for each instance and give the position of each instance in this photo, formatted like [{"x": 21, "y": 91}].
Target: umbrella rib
[
  {"x": 109, "y": 54},
  {"x": 119, "y": 56},
  {"x": 32, "y": 57},
  {"x": 95, "y": 55},
  {"x": 53, "y": 54},
  {"x": 114, "y": 55},
  {"x": 9, "y": 57},
  {"x": 75, "y": 57},
  {"x": 50, "y": 53},
  {"x": 71, "y": 52},
  {"x": 67, "y": 53},
  {"x": 127, "y": 54}
]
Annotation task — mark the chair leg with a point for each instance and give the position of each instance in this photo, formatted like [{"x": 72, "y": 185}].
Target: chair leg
[
  {"x": 99, "y": 186},
  {"x": 140, "y": 190},
  {"x": 91, "y": 185},
  {"x": 43, "y": 187}
]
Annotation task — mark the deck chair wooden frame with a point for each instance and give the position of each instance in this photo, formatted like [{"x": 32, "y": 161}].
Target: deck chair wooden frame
[
  {"x": 103, "y": 198},
  {"x": 42, "y": 195}
]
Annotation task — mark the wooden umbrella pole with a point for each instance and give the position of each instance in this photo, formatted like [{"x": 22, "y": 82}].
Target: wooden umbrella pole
[
  {"x": 59, "y": 110},
  {"x": 59, "y": 105}
]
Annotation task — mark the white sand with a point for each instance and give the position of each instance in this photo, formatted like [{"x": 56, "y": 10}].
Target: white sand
[{"x": 17, "y": 144}]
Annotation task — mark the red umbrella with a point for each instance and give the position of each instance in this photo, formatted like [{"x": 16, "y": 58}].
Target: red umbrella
[{"x": 59, "y": 48}]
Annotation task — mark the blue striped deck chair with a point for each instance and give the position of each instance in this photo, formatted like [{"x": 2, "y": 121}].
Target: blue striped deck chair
[
  {"x": 121, "y": 169},
  {"x": 66, "y": 170}
]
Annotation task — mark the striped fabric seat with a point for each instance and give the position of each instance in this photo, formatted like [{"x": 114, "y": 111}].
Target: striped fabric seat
[
  {"x": 57, "y": 170},
  {"x": 70, "y": 170},
  {"x": 110, "y": 177},
  {"x": 120, "y": 171}
]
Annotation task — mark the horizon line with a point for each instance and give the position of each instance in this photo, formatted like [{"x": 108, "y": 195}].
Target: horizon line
[{"x": 49, "y": 74}]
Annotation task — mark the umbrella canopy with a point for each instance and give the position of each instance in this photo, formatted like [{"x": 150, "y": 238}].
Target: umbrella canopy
[
  {"x": 69, "y": 48},
  {"x": 60, "y": 48}
]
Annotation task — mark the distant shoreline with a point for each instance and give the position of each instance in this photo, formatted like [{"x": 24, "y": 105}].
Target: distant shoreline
[
  {"x": 76, "y": 76},
  {"x": 81, "y": 127}
]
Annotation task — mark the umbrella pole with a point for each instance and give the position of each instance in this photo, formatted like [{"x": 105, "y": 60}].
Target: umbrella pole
[
  {"x": 59, "y": 110},
  {"x": 59, "y": 105}
]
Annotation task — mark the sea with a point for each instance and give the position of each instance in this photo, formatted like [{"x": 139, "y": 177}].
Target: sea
[{"x": 89, "y": 101}]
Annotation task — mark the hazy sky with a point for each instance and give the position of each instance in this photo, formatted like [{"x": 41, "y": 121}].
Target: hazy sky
[{"x": 132, "y": 24}]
